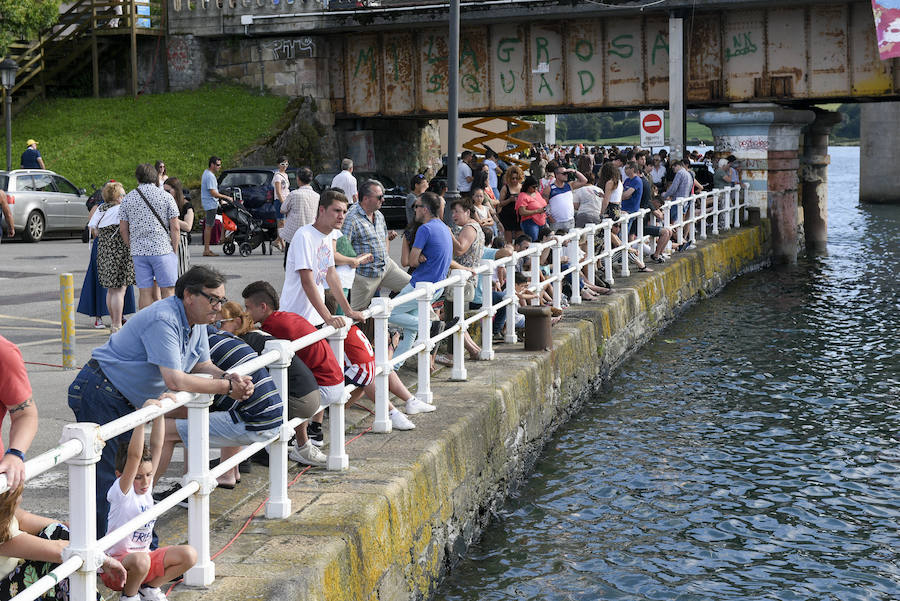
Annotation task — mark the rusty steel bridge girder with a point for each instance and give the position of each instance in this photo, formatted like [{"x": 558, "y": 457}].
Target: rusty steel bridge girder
[{"x": 793, "y": 54}]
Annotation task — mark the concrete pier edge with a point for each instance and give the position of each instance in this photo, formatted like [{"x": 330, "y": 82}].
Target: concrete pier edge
[{"x": 412, "y": 502}]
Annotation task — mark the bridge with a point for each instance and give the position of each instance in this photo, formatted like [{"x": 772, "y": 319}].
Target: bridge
[{"x": 548, "y": 57}]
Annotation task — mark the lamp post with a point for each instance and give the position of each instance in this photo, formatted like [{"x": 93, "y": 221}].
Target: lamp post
[{"x": 8, "y": 68}]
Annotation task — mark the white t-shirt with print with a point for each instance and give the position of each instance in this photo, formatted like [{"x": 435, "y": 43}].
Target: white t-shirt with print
[
  {"x": 122, "y": 508},
  {"x": 313, "y": 250}
]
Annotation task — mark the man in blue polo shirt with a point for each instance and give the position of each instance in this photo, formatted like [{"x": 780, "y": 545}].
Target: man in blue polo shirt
[
  {"x": 160, "y": 348},
  {"x": 31, "y": 158},
  {"x": 430, "y": 256}
]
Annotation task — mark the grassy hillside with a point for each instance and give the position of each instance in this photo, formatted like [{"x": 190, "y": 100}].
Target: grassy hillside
[{"x": 91, "y": 140}]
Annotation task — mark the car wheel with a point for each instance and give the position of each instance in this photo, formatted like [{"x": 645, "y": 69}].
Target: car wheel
[
  {"x": 245, "y": 249},
  {"x": 34, "y": 227},
  {"x": 228, "y": 248}
]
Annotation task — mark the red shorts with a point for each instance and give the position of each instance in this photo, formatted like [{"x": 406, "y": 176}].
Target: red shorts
[{"x": 157, "y": 568}]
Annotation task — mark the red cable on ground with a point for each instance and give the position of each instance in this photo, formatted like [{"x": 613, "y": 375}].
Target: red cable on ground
[
  {"x": 256, "y": 511},
  {"x": 44, "y": 364}
]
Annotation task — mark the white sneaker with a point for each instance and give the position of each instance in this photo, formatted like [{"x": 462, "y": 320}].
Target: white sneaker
[
  {"x": 151, "y": 593},
  {"x": 400, "y": 421},
  {"x": 414, "y": 406},
  {"x": 124, "y": 597},
  {"x": 308, "y": 454}
]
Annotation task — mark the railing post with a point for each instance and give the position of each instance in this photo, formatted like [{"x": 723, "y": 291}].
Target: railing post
[
  {"x": 607, "y": 253},
  {"x": 623, "y": 239},
  {"x": 572, "y": 253},
  {"x": 382, "y": 422},
  {"x": 279, "y": 504},
  {"x": 679, "y": 219},
  {"x": 459, "y": 312},
  {"x": 737, "y": 207},
  {"x": 640, "y": 234},
  {"x": 667, "y": 222},
  {"x": 727, "y": 209},
  {"x": 423, "y": 391},
  {"x": 715, "y": 211},
  {"x": 337, "y": 451},
  {"x": 204, "y": 571},
  {"x": 704, "y": 213},
  {"x": 745, "y": 188},
  {"x": 692, "y": 209},
  {"x": 556, "y": 286},
  {"x": 83, "y": 509},
  {"x": 487, "y": 305},
  {"x": 535, "y": 268},
  {"x": 591, "y": 254},
  {"x": 510, "y": 325}
]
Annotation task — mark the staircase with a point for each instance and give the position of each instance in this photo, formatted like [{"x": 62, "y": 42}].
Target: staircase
[{"x": 71, "y": 47}]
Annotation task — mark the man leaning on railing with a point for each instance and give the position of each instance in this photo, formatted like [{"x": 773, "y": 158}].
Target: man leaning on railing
[{"x": 162, "y": 347}]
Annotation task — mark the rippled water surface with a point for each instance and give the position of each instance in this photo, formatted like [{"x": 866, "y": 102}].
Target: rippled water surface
[{"x": 751, "y": 451}]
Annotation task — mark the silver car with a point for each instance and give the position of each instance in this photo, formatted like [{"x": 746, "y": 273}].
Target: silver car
[{"x": 43, "y": 201}]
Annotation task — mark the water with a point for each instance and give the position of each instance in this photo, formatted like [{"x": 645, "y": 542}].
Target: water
[{"x": 751, "y": 451}]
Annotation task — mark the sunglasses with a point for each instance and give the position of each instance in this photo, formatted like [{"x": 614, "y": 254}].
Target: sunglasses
[
  {"x": 214, "y": 300},
  {"x": 418, "y": 206}
]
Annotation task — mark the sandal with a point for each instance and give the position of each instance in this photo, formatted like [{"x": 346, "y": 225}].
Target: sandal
[
  {"x": 442, "y": 359},
  {"x": 645, "y": 269}
]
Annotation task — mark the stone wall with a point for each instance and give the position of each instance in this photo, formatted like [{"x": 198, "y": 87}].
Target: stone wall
[{"x": 412, "y": 502}]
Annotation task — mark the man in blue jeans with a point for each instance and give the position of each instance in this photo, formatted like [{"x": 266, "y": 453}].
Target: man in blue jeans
[
  {"x": 430, "y": 257},
  {"x": 160, "y": 348}
]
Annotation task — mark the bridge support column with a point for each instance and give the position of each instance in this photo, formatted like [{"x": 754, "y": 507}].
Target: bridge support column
[
  {"x": 766, "y": 140},
  {"x": 814, "y": 175},
  {"x": 879, "y": 178}
]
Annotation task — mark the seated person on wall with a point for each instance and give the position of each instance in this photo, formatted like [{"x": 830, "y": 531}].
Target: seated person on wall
[
  {"x": 303, "y": 391},
  {"x": 262, "y": 306},
  {"x": 232, "y": 423}
]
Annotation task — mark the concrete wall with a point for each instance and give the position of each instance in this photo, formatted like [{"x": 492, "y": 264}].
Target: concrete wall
[
  {"x": 411, "y": 503},
  {"x": 879, "y": 178}
]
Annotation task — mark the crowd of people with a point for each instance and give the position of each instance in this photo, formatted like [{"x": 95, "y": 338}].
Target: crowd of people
[{"x": 187, "y": 336}]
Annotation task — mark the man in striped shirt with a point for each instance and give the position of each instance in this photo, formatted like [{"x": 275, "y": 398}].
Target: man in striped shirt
[{"x": 232, "y": 423}]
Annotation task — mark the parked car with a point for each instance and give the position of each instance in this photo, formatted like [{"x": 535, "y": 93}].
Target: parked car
[
  {"x": 255, "y": 184},
  {"x": 394, "y": 206},
  {"x": 43, "y": 202}
]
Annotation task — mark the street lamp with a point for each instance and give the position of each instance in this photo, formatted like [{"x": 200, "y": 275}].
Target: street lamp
[{"x": 8, "y": 68}]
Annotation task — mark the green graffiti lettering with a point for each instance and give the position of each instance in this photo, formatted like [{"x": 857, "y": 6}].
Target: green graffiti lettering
[
  {"x": 436, "y": 83},
  {"x": 430, "y": 58},
  {"x": 512, "y": 82},
  {"x": 740, "y": 45},
  {"x": 395, "y": 56},
  {"x": 505, "y": 50},
  {"x": 584, "y": 50},
  {"x": 541, "y": 44},
  {"x": 587, "y": 81},
  {"x": 467, "y": 51},
  {"x": 366, "y": 57},
  {"x": 622, "y": 46},
  {"x": 470, "y": 84},
  {"x": 661, "y": 42},
  {"x": 545, "y": 84}
]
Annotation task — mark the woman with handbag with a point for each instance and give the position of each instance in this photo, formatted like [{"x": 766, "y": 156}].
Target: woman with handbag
[
  {"x": 185, "y": 222},
  {"x": 115, "y": 270}
]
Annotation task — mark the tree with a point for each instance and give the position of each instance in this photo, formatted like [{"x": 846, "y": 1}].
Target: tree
[{"x": 24, "y": 19}]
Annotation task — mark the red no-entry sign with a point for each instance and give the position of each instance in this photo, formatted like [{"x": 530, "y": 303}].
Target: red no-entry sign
[{"x": 652, "y": 132}]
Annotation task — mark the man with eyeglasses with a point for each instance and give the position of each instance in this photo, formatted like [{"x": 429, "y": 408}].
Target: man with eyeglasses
[
  {"x": 366, "y": 228},
  {"x": 163, "y": 347},
  {"x": 210, "y": 198}
]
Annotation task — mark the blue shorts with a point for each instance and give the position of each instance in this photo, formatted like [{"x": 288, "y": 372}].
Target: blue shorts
[
  {"x": 225, "y": 432},
  {"x": 163, "y": 268}
]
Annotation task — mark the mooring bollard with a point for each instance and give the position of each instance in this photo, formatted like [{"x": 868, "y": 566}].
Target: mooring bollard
[{"x": 67, "y": 318}]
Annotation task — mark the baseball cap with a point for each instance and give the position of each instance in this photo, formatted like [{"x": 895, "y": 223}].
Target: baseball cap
[{"x": 30, "y": 142}]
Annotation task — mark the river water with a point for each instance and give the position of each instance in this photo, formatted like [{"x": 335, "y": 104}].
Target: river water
[{"x": 751, "y": 451}]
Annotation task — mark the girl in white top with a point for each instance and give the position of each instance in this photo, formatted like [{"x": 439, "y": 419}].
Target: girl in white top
[
  {"x": 129, "y": 496},
  {"x": 282, "y": 186}
]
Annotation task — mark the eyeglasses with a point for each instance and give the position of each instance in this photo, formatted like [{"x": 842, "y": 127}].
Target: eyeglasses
[
  {"x": 213, "y": 300},
  {"x": 379, "y": 197},
  {"x": 218, "y": 164},
  {"x": 417, "y": 206}
]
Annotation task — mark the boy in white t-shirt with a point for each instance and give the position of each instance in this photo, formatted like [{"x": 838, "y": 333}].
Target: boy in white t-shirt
[{"x": 130, "y": 495}]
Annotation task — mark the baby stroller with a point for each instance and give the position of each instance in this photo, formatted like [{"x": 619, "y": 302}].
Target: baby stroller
[{"x": 245, "y": 231}]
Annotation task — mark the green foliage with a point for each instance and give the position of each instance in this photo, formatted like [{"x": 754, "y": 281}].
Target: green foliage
[
  {"x": 92, "y": 140},
  {"x": 23, "y": 19},
  {"x": 848, "y": 129},
  {"x": 626, "y": 134}
]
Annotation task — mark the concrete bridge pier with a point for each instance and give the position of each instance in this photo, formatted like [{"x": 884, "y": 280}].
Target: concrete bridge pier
[
  {"x": 814, "y": 175},
  {"x": 766, "y": 140},
  {"x": 879, "y": 178}
]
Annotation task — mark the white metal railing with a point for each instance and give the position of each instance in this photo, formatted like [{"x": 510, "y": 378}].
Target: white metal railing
[{"x": 82, "y": 443}]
